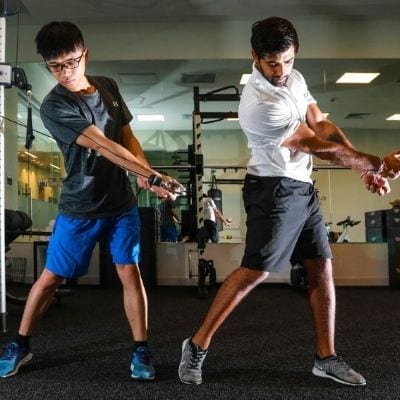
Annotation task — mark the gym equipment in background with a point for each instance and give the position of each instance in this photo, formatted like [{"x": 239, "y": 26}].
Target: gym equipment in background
[
  {"x": 345, "y": 224},
  {"x": 197, "y": 161}
]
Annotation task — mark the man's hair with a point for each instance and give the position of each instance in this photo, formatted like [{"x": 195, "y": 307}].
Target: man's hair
[
  {"x": 58, "y": 38},
  {"x": 273, "y": 35}
]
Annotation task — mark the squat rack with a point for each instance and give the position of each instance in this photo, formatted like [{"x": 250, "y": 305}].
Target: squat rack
[{"x": 196, "y": 161}]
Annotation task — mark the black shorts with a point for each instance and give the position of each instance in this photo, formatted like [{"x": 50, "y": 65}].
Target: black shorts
[{"x": 284, "y": 223}]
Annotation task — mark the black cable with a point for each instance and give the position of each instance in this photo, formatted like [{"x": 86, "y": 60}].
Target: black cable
[
  {"x": 25, "y": 126},
  {"x": 117, "y": 155},
  {"x": 98, "y": 144},
  {"x": 87, "y": 150}
]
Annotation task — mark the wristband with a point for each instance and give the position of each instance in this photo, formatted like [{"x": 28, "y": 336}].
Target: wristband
[{"x": 154, "y": 180}]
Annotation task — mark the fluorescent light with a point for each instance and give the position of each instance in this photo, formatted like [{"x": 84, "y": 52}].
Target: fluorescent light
[
  {"x": 54, "y": 166},
  {"x": 357, "y": 77},
  {"x": 244, "y": 78},
  {"x": 30, "y": 154},
  {"x": 232, "y": 119},
  {"x": 325, "y": 114},
  {"x": 150, "y": 117},
  {"x": 394, "y": 117}
]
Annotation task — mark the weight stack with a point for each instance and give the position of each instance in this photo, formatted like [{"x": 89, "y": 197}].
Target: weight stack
[{"x": 376, "y": 226}]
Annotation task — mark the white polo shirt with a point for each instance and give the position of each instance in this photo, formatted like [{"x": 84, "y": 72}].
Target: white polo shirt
[
  {"x": 209, "y": 207},
  {"x": 268, "y": 115}
]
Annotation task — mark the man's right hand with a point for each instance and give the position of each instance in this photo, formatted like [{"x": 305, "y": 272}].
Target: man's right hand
[{"x": 165, "y": 186}]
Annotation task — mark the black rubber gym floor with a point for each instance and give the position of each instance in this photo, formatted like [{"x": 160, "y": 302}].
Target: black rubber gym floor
[{"x": 264, "y": 350}]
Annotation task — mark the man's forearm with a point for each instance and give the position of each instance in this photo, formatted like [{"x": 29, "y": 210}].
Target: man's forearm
[
  {"x": 348, "y": 157},
  {"x": 327, "y": 130}
]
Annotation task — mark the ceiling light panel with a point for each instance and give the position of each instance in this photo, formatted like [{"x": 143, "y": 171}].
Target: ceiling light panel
[
  {"x": 150, "y": 117},
  {"x": 394, "y": 117},
  {"x": 357, "y": 77}
]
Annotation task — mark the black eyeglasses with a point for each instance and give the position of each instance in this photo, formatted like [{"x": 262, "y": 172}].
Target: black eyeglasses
[{"x": 69, "y": 64}]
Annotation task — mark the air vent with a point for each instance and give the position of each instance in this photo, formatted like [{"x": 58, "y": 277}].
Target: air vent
[
  {"x": 357, "y": 115},
  {"x": 197, "y": 78},
  {"x": 187, "y": 116}
]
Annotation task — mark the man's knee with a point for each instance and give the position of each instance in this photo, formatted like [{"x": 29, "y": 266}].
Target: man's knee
[
  {"x": 319, "y": 271},
  {"x": 48, "y": 281},
  {"x": 251, "y": 276}
]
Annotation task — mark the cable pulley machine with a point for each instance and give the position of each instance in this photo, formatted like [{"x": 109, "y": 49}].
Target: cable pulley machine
[{"x": 9, "y": 77}]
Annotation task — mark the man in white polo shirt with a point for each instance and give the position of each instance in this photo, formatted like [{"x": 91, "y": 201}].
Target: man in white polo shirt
[
  {"x": 285, "y": 128},
  {"x": 211, "y": 215}
]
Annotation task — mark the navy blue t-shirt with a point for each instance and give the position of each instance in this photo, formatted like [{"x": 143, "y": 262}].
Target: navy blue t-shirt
[{"x": 93, "y": 187}]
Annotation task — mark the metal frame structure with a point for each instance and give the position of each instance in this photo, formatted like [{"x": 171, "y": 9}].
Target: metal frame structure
[
  {"x": 197, "y": 164},
  {"x": 3, "y": 305}
]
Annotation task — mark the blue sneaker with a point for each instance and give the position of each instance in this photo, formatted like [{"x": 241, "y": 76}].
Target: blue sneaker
[
  {"x": 142, "y": 364},
  {"x": 12, "y": 358}
]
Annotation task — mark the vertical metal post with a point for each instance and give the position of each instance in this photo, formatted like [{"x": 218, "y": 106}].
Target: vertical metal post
[
  {"x": 198, "y": 195},
  {"x": 3, "y": 305},
  {"x": 198, "y": 156},
  {"x": 199, "y": 169}
]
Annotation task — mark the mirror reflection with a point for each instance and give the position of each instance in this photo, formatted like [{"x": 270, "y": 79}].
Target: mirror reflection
[{"x": 166, "y": 88}]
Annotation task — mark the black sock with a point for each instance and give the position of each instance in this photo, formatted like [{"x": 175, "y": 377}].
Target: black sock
[
  {"x": 196, "y": 346},
  {"x": 139, "y": 344},
  {"x": 22, "y": 341},
  {"x": 324, "y": 358}
]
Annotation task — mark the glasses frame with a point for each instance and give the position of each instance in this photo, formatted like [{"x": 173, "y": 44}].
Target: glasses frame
[{"x": 68, "y": 64}]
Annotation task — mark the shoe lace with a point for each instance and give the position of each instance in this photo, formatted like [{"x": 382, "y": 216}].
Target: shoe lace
[
  {"x": 144, "y": 356},
  {"x": 338, "y": 359},
  {"x": 9, "y": 351},
  {"x": 195, "y": 357}
]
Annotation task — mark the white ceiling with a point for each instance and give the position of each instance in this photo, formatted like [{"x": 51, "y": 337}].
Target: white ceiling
[
  {"x": 38, "y": 11},
  {"x": 158, "y": 85}
]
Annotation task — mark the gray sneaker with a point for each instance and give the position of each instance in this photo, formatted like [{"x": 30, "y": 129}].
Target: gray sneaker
[
  {"x": 192, "y": 360},
  {"x": 334, "y": 367}
]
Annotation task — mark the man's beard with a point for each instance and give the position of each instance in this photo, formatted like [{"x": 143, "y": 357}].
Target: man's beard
[{"x": 279, "y": 82}]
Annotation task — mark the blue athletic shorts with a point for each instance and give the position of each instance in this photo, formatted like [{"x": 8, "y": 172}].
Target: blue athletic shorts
[
  {"x": 284, "y": 223},
  {"x": 73, "y": 240}
]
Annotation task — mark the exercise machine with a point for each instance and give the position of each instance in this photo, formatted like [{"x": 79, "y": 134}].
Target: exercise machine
[
  {"x": 205, "y": 268},
  {"x": 345, "y": 224},
  {"x": 9, "y": 77}
]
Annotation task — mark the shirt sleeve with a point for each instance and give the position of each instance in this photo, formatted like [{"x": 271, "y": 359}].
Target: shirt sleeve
[
  {"x": 268, "y": 123},
  {"x": 63, "y": 118}
]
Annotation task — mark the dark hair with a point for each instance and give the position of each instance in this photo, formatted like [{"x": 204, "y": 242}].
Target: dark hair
[
  {"x": 273, "y": 35},
  {"x": 58, "y": 38}
]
